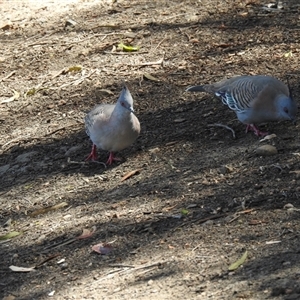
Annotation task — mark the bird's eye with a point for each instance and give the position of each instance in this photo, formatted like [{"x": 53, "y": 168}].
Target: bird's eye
[{"x": 285, "y": 109}]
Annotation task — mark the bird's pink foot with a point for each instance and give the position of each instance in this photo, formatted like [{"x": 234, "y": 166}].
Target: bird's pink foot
[
  {"x": 257, "y": 132},
  {"x": 93, "y": 154},
  {"x": 112, "y": 158}
]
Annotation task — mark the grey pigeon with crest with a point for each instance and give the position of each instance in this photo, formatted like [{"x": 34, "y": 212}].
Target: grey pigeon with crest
[
  {"x": 255, "y": 99},
  {"x": 112, "y": 127}
]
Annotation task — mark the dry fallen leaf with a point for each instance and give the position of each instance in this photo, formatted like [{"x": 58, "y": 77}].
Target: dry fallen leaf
[
  {"x": 103, "y": 249},
  {"x": 150, "y": 77},
  {"x": 239, "y": 262},
  {"x": 130, "y": 174},
  {"x": 74, "y": 69},
  {"x": 47, "y": 209},
  {"x": 128, "y": 48},
  {"x": 14, "y": 97},
  {"x": 86, "y": 233},
  {"x": 272, "y": 242},
  {"x": 9, "y": 297},
  {"x": 268, "y": 137},
  {"x": 10, "y": 235},
  {"x": 21, "y": 269}
]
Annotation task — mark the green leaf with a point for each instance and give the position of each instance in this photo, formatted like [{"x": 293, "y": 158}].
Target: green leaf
[
  {"x": 128, "y": 48},
  {"x": 9, "y": 235},
  {"x": 75, "y": 69},
  {"x": 239, "y": 262},
  {"x": 31, "y": 92},
  {"x": 288, "y": 54},
  {"x": 184, "y": 212}
]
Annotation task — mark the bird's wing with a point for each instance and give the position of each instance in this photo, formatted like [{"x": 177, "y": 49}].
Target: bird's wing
[
  {"x": 99, "y": 114},
  {"x": 240, "y": 93}
]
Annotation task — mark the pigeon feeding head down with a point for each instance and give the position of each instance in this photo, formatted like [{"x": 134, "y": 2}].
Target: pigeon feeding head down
[{"x": 255, "y": 99}]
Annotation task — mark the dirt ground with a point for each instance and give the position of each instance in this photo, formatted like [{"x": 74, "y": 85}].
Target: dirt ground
[{"x": 200, "y": 199}]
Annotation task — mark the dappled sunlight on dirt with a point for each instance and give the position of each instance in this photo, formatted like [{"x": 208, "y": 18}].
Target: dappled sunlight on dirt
[{"x": 199, "y": 199}]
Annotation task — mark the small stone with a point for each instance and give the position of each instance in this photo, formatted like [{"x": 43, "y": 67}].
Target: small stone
[
  {"x": 150, "y": 282},
  {"x": 288, "y": 205},
  {"x": 266, "y": 150},
  {"x": 154, "y": 150},
  {"x": 70, "y": 22},
  {"x": 225, "y": 170},
  {"x": 179, "y": 120},
  {"x": 64, "y": 266}
]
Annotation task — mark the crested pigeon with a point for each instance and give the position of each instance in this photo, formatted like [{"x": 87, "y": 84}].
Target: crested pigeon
[
  {"x": 255, "y": 99},
  {"x": 112, "y": 127}
]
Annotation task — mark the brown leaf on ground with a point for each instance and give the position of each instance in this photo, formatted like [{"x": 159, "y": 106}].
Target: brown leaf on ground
[{"x": 130, "y": 174}]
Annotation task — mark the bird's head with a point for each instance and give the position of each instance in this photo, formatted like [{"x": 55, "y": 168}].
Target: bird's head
[
  {"x": 125, "y": 99},
  {"x": 286, "y": 108}
]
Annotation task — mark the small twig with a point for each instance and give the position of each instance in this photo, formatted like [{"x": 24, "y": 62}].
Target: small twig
[
  {"x": 146, "y": 271},
  {"x": 234, "y": 218},
  {"x": 17, "y": 139},
  {"x": 126, "y": 53},
  {"x": 60, "y": 244},
  {"x": 277, "y": 167},
  {"x": 29, "y": 138},
  {"x": 130, "y": 174},
  {"x": 98, "y": 162},
  {"x": 75, "y": 82},
  {"x": 239, "y": 213},
  {"x": 141, "y": 80},
  {"x": 200, "y": 221},
  {"x": 96, "y": 35},
  {"x": 223, "y": 126},
  {"x": 42, "y": 43},
  {"x": 7, "y": 76},
  {"x": 212, "y": 218},
  {"x": 175, "y": 16},
  {"x": 121, "y": 266},
  {"x": 247, "y": 211},
  {"x": 59, "y": 129},
  {"x": 158, "y": 62},
  {"x": 105, "y": 25},
  {"x": 47, "y": 259},
  {"x": 75, "y": 162},
  {"x": 110, "y": 274},
  {"x": 160, "y": 43}
]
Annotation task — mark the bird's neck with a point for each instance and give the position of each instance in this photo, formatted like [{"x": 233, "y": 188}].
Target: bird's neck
[{"x": 120, "y": 112}]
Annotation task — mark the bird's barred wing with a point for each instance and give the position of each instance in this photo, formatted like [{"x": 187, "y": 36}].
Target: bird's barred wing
[{"x": 240, "y": 94}]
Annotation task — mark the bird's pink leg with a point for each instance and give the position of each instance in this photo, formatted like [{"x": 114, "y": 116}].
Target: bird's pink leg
[
  {"x": 112, "y": 158},
  {"x": 257, "y": 132},
  {"x": 93, "y": 155}
]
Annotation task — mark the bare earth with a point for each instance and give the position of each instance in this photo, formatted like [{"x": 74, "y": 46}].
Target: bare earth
[{"x": 200, "y": 199}]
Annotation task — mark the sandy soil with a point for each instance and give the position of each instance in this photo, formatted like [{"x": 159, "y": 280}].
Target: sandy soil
[{"x": 200, "y": 199}]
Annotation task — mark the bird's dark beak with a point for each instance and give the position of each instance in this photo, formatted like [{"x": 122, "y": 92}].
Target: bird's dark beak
[{"x": 131, "y": 109}]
